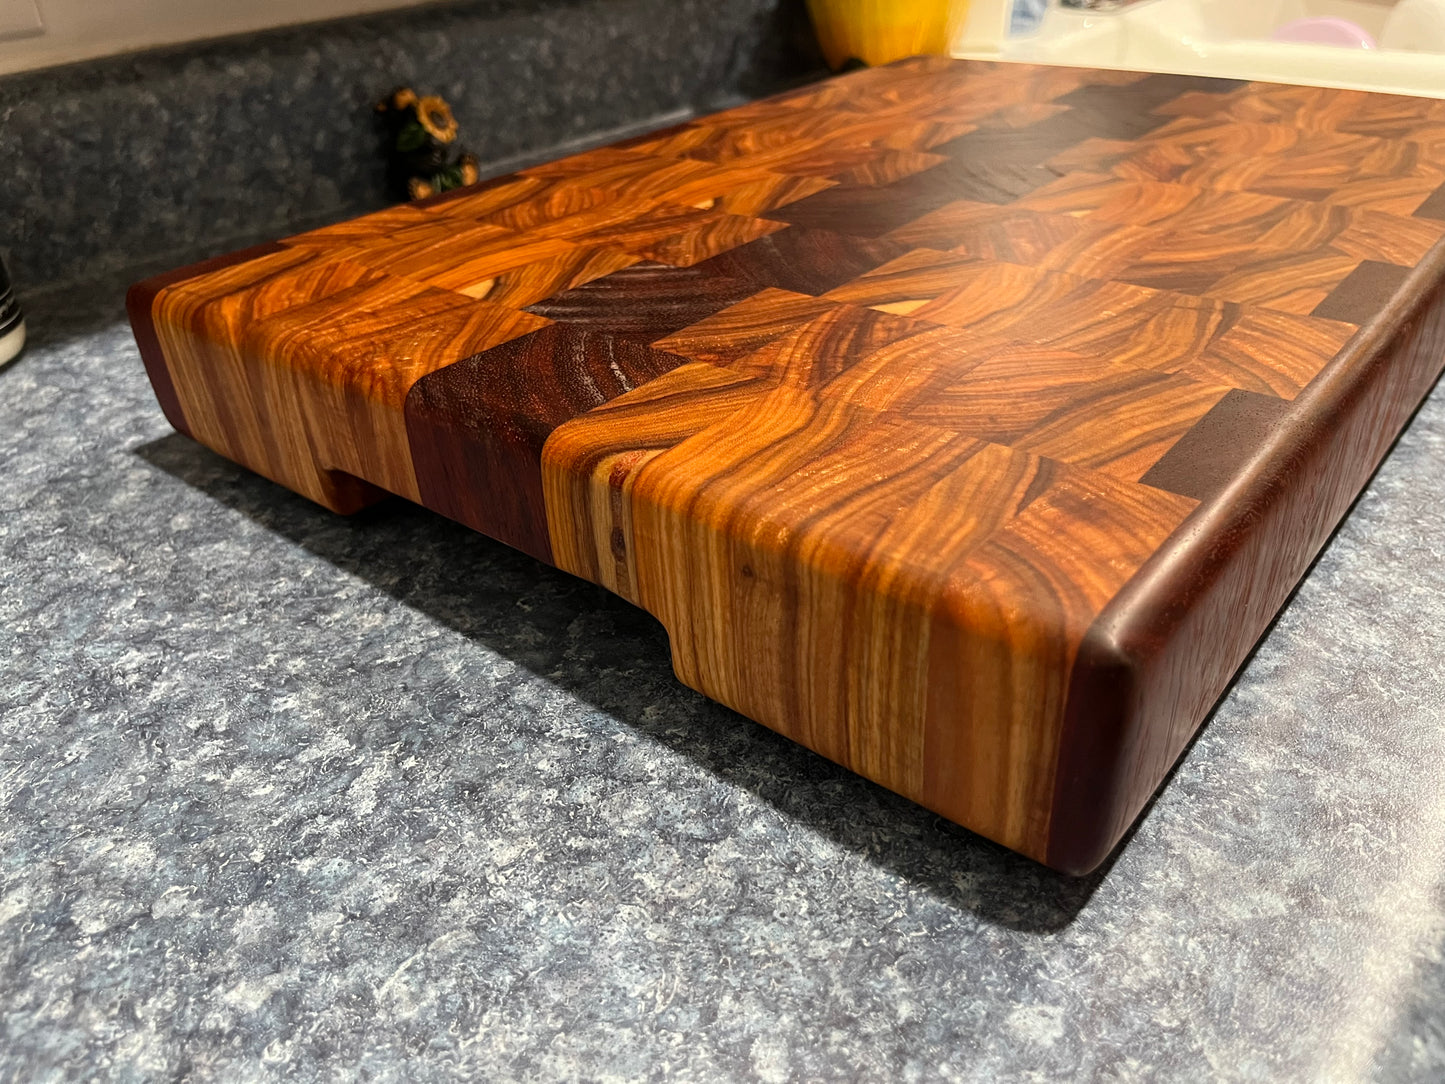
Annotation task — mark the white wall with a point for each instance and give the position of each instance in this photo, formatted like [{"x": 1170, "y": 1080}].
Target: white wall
[{"x": 80, "y": 29}]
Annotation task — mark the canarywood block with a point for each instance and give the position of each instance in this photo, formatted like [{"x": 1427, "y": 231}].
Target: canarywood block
[{"x": 965, "y": 422}]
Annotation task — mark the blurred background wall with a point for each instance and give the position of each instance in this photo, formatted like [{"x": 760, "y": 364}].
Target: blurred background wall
[
  {"x": 41, "y": 33},
  {"x": 180, "y": 152}
]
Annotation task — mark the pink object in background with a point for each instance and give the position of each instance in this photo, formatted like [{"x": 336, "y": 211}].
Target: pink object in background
[{"x": 1325, "y": 30}]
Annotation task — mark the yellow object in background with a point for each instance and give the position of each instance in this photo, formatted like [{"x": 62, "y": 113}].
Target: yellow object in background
[{"x": 880, "y": 31}]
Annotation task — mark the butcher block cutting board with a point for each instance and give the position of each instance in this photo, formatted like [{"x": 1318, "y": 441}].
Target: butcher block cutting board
[{"x": 967, "y": 423}]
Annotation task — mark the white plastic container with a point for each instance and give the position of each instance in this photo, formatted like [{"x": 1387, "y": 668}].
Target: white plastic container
[
  {"x": 12, "y": 320},
  {"x": 1229, "y": 38}
]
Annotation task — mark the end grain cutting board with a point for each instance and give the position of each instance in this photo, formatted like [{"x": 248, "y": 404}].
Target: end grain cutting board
[{"x": 967, "y": 423}]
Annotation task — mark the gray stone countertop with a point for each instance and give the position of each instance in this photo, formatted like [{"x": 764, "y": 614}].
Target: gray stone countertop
[{"x": 290, "y": 795}]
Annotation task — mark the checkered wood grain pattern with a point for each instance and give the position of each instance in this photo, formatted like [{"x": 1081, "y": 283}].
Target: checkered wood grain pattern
[{"x": 877, "y": 394}]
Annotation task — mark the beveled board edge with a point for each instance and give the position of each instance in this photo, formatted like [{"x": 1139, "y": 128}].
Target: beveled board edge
[{"x": 1164, "y": 650}]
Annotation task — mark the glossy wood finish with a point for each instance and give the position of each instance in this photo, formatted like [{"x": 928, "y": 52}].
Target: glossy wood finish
[{"x": 967, "y": 423}]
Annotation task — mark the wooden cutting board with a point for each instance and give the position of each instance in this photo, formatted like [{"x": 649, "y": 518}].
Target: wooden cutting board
[{"x": 967, "y": 423}]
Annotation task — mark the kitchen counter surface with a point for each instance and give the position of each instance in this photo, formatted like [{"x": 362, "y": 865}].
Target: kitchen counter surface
[{"x": 287, "y": 794}]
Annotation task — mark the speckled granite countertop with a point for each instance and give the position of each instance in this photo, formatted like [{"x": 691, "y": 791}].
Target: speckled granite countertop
[{"x": 292, "y": 795}]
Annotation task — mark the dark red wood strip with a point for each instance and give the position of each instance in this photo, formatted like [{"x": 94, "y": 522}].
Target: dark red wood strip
[
  {"x": 1211, "y": 454},
  {"x": 804, "y": 261},
  {"x": 1434, "y": 205},
  {"x": 476, "y": 428},
  {"x": 645, "y": 301},
  {"x": 1364, "y": 292}
]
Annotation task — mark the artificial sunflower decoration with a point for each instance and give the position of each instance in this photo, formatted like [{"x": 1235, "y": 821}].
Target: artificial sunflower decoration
[
  {"x": 433, "y": 114},
  {"x": 419, "y": 129}
]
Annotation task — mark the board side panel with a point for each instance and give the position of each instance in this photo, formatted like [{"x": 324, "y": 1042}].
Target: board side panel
[
  {"x": 1165, "y": 649},
  {"x": 914, "y": 622},
  {"x": 140, "y": 303},
  {"x": 236, "y": 400}
]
